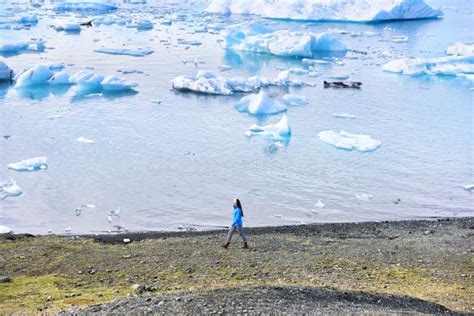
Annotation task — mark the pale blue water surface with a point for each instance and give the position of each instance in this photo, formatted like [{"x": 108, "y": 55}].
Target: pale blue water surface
[{"x": 180, "y": 163}]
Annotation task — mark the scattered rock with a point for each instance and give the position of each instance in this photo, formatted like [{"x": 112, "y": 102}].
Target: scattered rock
[{"x": 5, "y": 279}]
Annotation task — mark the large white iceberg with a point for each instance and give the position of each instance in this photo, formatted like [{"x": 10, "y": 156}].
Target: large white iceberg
[
  {"x": 280, "y": 43},
  {"x": 124, "y": 51},
  {"x": 347, "y": 141},
  {"x": 448, "y": 65},
  {"x": 209, "y": 83},
  {"x": 9, "y": 189},
  {"x": 260, "y": 103},
  {"x": 278, "y": 131},
  {"x": 32, "y": 164},
  {"x": 35, "y": 76},
  {"x": 5, "y": 72},
  {"x": 328, "y": 10}
]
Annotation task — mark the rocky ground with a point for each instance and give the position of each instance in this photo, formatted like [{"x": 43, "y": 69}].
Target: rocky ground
[{"x": 408, "y": 266}]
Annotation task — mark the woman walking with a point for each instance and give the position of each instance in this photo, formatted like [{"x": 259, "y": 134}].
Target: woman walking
[{"x": 236, "y": 225}]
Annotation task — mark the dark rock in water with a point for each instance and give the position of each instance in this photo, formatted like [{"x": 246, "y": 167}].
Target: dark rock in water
[
  {"x": 342, "y": 84},
  {"x": 5, "y": 279}
]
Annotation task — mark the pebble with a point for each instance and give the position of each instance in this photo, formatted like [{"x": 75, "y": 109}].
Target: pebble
[{"x": 5, "y": 279}]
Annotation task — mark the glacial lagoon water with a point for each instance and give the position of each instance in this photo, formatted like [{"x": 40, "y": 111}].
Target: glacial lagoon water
[{"x": 179, "y": 163}]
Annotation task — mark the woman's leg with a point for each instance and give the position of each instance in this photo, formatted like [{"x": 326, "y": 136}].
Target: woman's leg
[
  {"x": 242, "y": 234},
  {"x": 231, "y": 233}
]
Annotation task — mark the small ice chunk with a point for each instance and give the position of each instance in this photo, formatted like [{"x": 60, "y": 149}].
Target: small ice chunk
[
  {"x": 347, "y": 141},
  {"x": 344, "y": 115},
  {"x": 123, "y": 51},
  {"x": 291, "y": 99},
  {"x": 156, "y": 101},
  {"x": 278, "y": 131},
  {"x": 364, "y": 197},
  {"x": 202, "y": 83},
  {"x": 32, "y": 164},
  {"x": 68, "y": 28},
  {"x": 224, "y": 67},
  {"x": 85, "y": 140},
  {"x": 399, "y": 39},
  {"x": 60, "y": 78},
  {"x": 16, "y": 48},
  {"x": 5, "y": 72},
  {"x": 469, "y": 187},
  {"x": 144, "y": 25},
  {"x": 35, "y": 76},
  {"x": 113, "y": 83},
  {"x": 461, "y": 49},
  {"x": 259, "y": 103},
  {"x": 9, "y": 189}
]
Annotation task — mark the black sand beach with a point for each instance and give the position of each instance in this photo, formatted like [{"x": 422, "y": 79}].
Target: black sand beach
[{"x": 424, "y": 266}]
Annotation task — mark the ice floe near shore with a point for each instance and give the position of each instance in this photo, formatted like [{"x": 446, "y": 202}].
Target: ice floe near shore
[
  {"x": 32, "y": 164},
  {"x": 9, "y": 189},
  {"x": 259, "y": 39},
  {"x": 6, "y": 73},
  {"x": 260, "y": 103},
  {"x": 328, "y": 10},
  {"x": 209, "y": 83},
  {"x": 124, "y": 51},
  {"x": 278, "y": 131},
  {"x": 347, "y": 141}
]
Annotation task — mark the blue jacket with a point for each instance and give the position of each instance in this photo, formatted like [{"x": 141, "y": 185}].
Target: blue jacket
[{"x": 237, "y": 217}]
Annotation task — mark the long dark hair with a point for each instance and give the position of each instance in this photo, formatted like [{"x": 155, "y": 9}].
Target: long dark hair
[{"x": 239, "y": 205}]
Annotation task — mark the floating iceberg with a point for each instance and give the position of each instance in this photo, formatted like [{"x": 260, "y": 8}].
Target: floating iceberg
[
  {"x": 123, "y": 51},
  {"x": 87, "y": 80},
  {"x": 328, "y": 10},
  {"x": 27, "y": 19},
  {"x": 344, "y": 116},
  {"x": 9, "y": 189},
  {"x": 60, "y": 78},
  {"x": 32, "y": 164},
  {"x": 85, "y": 140},
  {"x": 344, "y": 140},
  {"x": 17, "y": 48},
  {"x": 461, "y": 49},
  {"x": 469, "y": 187},
  {"x": 281, "y": 43},
  {"x": 278, "y": 131},
  {"x": 84, "y": 6},
  {"x": 259, "y": 103},
  {"x": 144, "y": 25},
  {"x": 209, "y": 83},
  {"x": 291, "y": 99},
  {"x": 68, "y": 28},
  {"x": 5, "y": 72},
  {"x": 448, "y": 65},
  {"x": 113, "y": 83},
  {"x": 35, "y": 76}
]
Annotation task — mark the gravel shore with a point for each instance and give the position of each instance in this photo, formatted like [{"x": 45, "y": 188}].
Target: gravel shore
[{"x": 424, "y": 266}]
